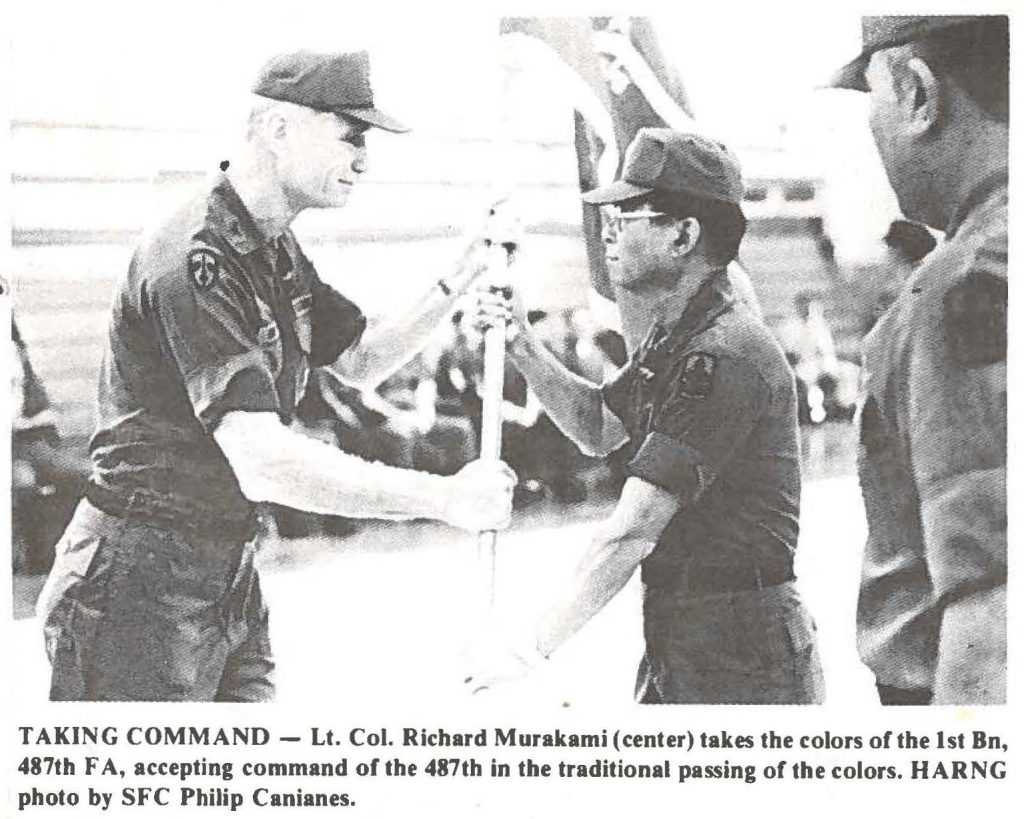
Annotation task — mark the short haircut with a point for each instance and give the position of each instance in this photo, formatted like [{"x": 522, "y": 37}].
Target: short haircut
[
  {"x": 261, "y": 110},
  {"x": 976, "y": 56},
  {"x": 722, "y": 223}
]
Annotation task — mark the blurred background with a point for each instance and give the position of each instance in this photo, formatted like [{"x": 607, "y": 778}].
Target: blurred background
[{"x": 111, "y": 126}]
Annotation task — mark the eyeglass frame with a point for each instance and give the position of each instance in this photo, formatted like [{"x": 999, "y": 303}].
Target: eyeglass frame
[{"x": 618, "y": 216}]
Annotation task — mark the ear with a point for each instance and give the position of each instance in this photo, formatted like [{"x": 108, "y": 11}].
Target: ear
[
  {"x": 687, "y": 235},
  {"x": 923, "y": 97},
  {"x": 275, "y": 128}
]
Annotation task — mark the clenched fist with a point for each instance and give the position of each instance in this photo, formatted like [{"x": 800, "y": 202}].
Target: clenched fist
[
  {"x": 479, "y": 496},
  {"x": 493, "y": 304}
]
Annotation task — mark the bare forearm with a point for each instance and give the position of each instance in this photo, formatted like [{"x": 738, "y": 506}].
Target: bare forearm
[
  {"x": 277, "y": 465},
  {"x": 601, "y": 574},
  {"x": 573, "y": 403},
  {"x": 390, "y": 341}
]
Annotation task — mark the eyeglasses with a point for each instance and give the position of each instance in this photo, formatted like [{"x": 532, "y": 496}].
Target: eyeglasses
[{"x": 617, "y": 217}]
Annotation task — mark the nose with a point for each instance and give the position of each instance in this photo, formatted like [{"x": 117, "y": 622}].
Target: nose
[{"x": 610, "y": 234}]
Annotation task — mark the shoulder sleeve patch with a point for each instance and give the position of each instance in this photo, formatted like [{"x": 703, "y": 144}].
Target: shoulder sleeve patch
[
  {"x": 697, "y": 377},
  {"x": 204, "y": 267},
  {"x": 974, "y": 320}
]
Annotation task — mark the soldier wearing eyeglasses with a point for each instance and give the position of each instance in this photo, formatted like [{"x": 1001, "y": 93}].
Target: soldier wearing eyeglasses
[
  {"x": 706, "y": 410},
  {"x": 213, "y": 333}
]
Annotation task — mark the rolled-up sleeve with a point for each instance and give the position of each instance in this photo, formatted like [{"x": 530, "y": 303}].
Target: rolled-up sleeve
[
  {"x": 956, "y": 425},
  {"x": 700, "y": 424},
  {"x": 212, "y": 332},
  {"x": 337, "y": 324},
  {"x": 956, "y": 383}
]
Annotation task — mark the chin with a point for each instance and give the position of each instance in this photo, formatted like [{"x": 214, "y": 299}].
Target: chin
[
  {"x": 337, "y": 200},
  {"x": 622, "y": 276},
  {"x": 627, "y": 283}
]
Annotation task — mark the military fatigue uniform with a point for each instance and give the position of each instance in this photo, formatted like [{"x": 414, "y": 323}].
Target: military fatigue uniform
[
  {"x": 710, "y": 408},
  {"x": 932, "y": 610},
  {"x": 154, "y": 594}
]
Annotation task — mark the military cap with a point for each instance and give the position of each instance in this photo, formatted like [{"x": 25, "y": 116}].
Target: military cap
[
  {"x": 660, "y": 160},
  {"x": 338, "y": 83},
  {"x": 890, "y": 31}
]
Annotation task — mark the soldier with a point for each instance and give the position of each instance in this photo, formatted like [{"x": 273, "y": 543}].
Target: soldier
[
  {"x": 214, "y": 330},
  {"x": 932, "y": 612},
  {"x": 706, "y": 408}
]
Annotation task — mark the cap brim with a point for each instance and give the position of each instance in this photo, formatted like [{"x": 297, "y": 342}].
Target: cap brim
[
  {"x": 851, "y": 75},
  {"x": 616, "y": 192},
  {"x": 373, "y": 117}
]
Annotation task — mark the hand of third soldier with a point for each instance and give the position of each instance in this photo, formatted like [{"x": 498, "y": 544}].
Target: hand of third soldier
[
  {"x": 498, "y": 654},
  {"x": 479, "y": 497},
  {"x": 493, "y": 303}
]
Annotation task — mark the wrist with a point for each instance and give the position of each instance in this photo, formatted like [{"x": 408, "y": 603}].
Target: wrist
[
  {"x": 467, "y": 269},
  {"x": 520, "y": 341},
  {"x": 446, "y": 497}
]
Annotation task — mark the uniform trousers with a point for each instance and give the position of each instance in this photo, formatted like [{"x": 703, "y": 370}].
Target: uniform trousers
[
  {"x": 133, "y": 611},
  {"x": 754, "y": 646}
]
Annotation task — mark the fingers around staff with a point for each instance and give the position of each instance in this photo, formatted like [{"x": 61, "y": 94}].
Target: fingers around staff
[
  {"x": 508, "y": 473},
  {"x": 485, "y": 468},
  {"x": 493, "y": 304},
  {"x": 489, "y": 312}
]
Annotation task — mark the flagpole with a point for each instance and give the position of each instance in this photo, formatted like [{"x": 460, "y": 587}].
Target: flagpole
[
  {"x": 491, "y": 422},
  {"x": 500, "y": 258}
]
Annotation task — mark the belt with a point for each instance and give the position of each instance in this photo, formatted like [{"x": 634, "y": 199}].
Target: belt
[
  {"x": 153, "y": 509},
  {"x": 717, "y": 579}
]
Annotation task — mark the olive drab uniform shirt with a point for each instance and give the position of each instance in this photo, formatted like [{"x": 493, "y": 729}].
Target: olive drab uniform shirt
[
  {"x": 710, "y": 410},
  {"x": 932, "y": 467},
  {"x": 211, "y": 318}
]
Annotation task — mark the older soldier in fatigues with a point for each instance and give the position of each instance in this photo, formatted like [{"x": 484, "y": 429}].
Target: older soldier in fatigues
[
  {"x": 706, "y": 412},
  {"x": 932, "y": 612},
  {"x": 214, "y": 328}
]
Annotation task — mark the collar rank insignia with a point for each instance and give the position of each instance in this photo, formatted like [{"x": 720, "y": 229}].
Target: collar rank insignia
[
  {"x": 698, "y": 375},
  {"x": 203, "y": 268}
]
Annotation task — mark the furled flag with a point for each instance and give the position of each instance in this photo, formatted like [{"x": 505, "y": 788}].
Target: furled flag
[{"x": 626, "y": 85}]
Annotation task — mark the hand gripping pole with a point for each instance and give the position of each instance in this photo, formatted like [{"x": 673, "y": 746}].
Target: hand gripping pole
[{"x": 490, "y": 425}]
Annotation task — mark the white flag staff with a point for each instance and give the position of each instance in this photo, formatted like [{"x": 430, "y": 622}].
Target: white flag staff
[{"x": 503, "y": 248}]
